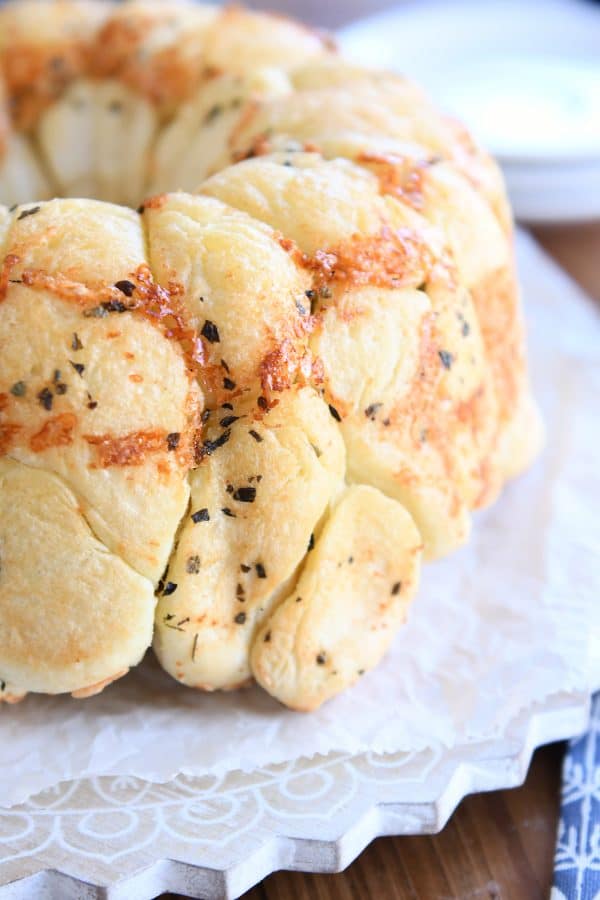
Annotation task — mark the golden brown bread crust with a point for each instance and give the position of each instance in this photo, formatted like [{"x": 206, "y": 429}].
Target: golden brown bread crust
[
  {"x": 260, "y": 403},
  {"x": 161, "y": 50},
  {"x": 44, "y": 48},
  {"x": 316, "y": 643}
]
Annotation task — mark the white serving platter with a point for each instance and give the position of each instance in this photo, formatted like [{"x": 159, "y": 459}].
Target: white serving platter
[{"x": 125, "y": 839}]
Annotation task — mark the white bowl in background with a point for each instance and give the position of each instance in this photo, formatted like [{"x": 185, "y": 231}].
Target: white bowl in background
[{"x": 524, "y": 77}]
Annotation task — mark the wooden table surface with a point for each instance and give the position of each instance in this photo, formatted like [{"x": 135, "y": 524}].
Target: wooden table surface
[{"x": 497, "y": 846}]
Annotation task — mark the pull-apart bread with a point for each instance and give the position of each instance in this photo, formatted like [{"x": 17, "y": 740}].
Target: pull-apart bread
[{"x": 235, "y": 416}]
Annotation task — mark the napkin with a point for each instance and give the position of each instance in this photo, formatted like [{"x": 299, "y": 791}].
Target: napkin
[{"x": 577, "y": 855}]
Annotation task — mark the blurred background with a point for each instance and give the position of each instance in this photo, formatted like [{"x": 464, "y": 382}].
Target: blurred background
[
  {"x": 324, "y": 14},
  {"x": 525, "y": 77}
]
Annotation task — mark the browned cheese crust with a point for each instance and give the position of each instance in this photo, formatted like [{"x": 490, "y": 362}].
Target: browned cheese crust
[{"x": 236, "y": 415}]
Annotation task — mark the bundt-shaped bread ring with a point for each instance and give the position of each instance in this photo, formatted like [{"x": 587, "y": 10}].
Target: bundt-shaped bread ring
[{"x": 262, "y": 401}]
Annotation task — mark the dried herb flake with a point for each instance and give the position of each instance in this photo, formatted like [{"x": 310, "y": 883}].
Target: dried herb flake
[
  {"x": 18, "y": 389},
  {"x": 371, "y": 410},
  {"x": 173, "y": 440},
  {"x": 210, "y": 332},
  {"x": 245, "y": 494},
  {"x": 45, "y": 397},
  {"x": 96, "y": 312},
  {"x": 447, "y": 358},
  {"x": 28, "y": 212},
  {"x": 126, "y": 287},
  {"x": 79, "y": 367},
  {"x": 212, "y": 114},
  {"x": 192, "y": 566},
  {"x": 114, "y": 306},
  {"x": 209, "y": 447}
]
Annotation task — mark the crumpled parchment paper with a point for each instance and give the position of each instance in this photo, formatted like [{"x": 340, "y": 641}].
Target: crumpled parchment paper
[{"x": 505, "y": 622}]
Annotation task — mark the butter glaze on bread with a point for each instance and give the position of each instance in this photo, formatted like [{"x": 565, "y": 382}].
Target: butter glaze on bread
[{"x": 236, "y": 415}]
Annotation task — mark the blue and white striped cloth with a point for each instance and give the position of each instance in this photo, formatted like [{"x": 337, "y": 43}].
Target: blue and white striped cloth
[{"x": 577, "y": 855}]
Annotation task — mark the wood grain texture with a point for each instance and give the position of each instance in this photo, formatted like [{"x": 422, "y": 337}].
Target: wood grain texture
[{"x": 576, "y": 249}]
